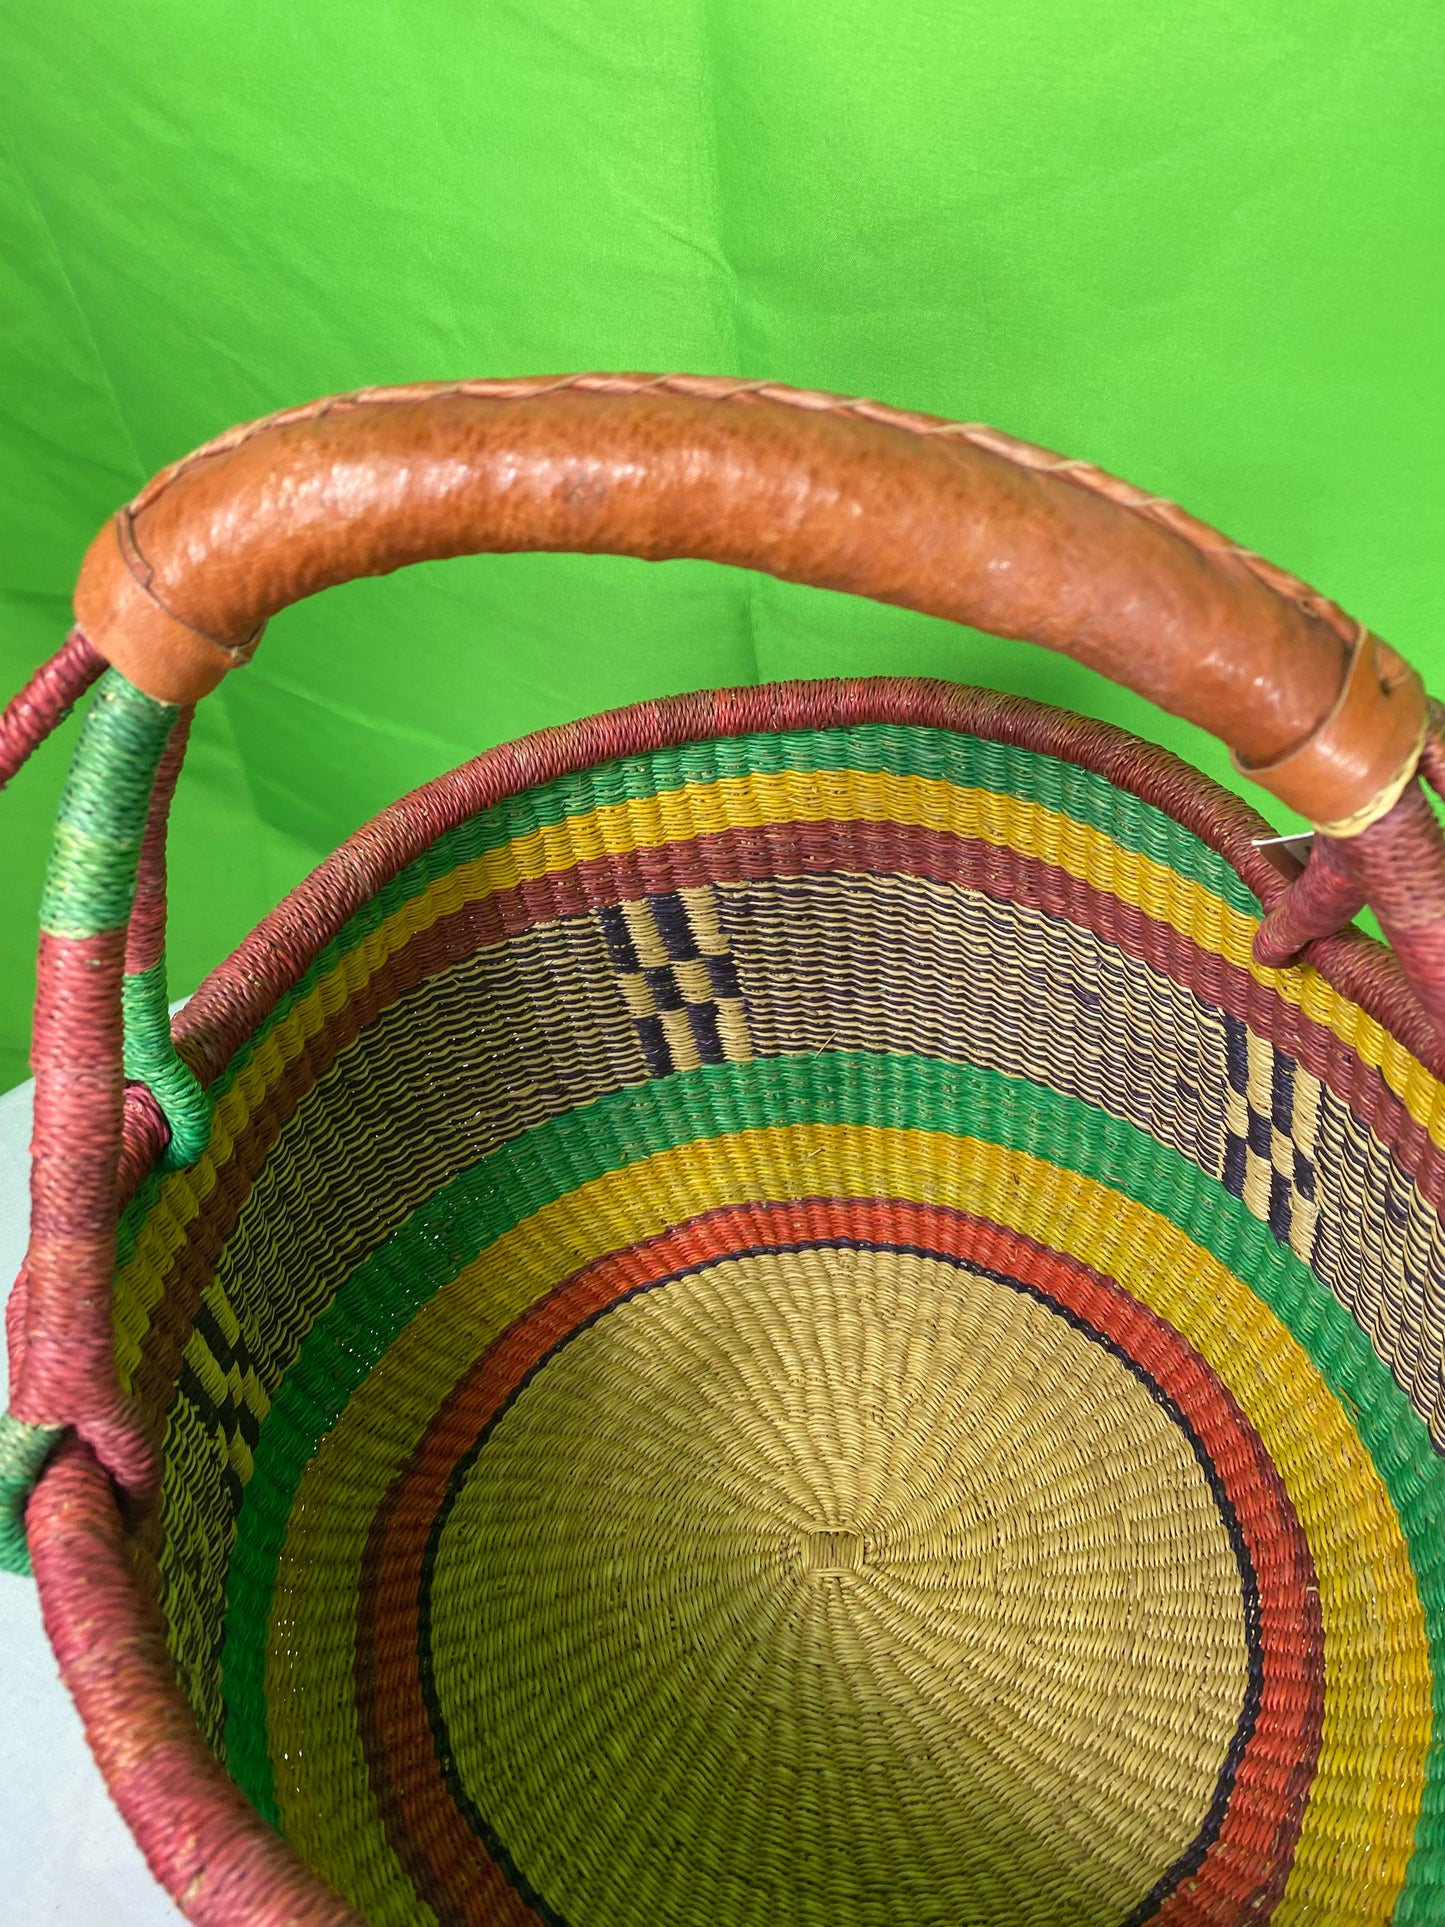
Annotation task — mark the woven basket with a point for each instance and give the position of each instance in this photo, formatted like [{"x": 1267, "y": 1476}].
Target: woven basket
[{"x": 783, "y": 1307}]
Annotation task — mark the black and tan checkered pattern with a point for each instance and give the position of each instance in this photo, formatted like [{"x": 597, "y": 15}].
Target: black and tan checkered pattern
[
  {"x": 1270, "y": 1113},
  {"x": 679, "y": 980},
  {"x": 219, "y": 1377}
]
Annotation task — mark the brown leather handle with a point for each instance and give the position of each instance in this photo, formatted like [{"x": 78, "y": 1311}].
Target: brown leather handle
[{"x": 952, "y": 520}]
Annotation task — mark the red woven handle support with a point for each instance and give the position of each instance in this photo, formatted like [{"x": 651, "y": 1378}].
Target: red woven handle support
[{"x": 45, "y": 702}]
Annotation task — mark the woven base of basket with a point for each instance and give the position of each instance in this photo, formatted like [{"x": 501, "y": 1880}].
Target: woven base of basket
[
  {"x": 786, "y": 1330},
  {"x": 868, "y": 1594},
  {"x": 849, "y": 1556}
]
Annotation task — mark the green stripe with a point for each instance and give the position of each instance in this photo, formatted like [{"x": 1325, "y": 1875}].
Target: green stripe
[
  {"x": 23, "y": 1452},
  {"x": 133, "y": 1219},
  {"x": 894, "y": 749},
  {"x": 90, "y": 884},
  {"x": 465, "y": 1216},
  {"x": 151, "y": 1059}
]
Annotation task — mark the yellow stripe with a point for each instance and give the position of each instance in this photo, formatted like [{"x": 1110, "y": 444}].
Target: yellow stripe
[
  {"x": 678, "y": 816},
  {"x": 930, "y": 803},
  {"x": 1360, "y": 1823}
]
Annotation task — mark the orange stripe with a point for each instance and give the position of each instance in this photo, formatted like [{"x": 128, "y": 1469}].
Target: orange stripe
[{"x": 1239, "y": 1873}]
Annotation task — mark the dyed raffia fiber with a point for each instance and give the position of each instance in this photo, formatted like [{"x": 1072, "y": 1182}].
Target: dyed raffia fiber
[
  {"x": 777, "y": 1323},
  {"x": 46, "y": 701}
]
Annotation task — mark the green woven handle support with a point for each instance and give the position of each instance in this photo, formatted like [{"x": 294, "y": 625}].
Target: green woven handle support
[
  {"x": 105, "y": 823},
  {"x": 151, "y": 1059}
]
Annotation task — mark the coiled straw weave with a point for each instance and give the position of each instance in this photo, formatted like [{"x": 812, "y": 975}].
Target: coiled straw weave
[{"x": 778, "y": 1325}]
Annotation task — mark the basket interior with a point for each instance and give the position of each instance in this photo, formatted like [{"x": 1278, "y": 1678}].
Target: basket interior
[{"x": 785, "y": 1330}]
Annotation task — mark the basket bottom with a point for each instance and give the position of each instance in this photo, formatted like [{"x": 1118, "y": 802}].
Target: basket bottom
[{"x": 829, "y": 1577}]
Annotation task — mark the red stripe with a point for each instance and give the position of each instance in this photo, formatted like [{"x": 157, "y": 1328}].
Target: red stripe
[
  {"x": 241, "y": 992},
  {"x": 65, "y": 1372},
  {"x": 145, "y": 943},
  {"x": 45, "y": 702},
  {"x": 1245, "y": 1869},
  {"x": 447, "y": 1865},
  {"x": 750, "y": 854}
]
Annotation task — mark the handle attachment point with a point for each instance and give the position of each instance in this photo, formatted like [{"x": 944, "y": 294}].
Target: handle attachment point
[
  {"x": 1353, "y": 769},
  {"x": 167, "y": 658}
]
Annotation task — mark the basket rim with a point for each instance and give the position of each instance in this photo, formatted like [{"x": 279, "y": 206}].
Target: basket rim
[{"x": 243, "y": 990}]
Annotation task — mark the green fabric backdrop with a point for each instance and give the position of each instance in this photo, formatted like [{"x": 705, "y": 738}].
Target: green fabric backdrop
[{"x": 1198, "y": 243}]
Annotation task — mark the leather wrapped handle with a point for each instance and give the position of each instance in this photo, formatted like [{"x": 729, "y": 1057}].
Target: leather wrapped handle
[{"x": 949, "y": 519}]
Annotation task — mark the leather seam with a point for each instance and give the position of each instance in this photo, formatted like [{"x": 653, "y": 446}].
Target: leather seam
[{"x": 143, "y": 575}]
